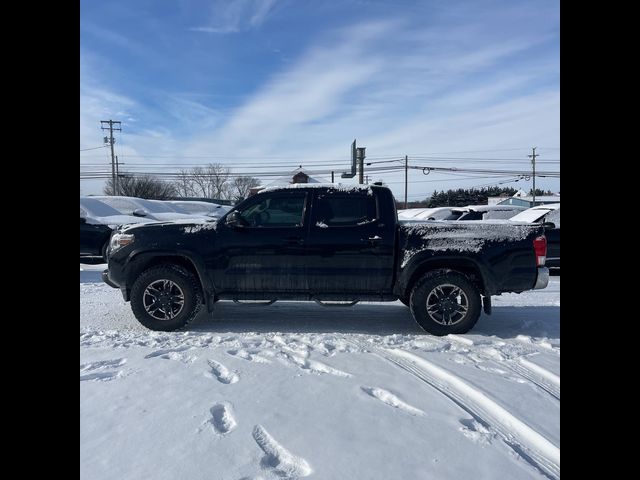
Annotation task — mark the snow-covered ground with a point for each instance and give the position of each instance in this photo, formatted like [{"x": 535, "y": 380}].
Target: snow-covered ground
[{"x": 298, "y": 390}]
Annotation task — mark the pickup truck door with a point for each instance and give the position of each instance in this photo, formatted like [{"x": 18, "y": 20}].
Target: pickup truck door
[
  {"x": 266, "y": 252},
  {"x": 349, "y": 249}
]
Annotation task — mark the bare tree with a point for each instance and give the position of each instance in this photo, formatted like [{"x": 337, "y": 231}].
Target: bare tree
[
  {"x": 211, "y": 181},
  {"x": 184, "y": 184},
  {"x": 142, "y": 186},
  {"x": 241, "y": 186}
]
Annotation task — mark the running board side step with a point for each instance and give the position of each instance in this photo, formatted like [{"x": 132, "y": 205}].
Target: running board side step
[
  {"x": 336, "y": 304},
  {"x": 259, "y": 303}
]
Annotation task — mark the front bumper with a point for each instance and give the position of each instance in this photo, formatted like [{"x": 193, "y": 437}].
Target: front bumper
[
  {"x": 543, "y": 278},
  {"x": 105, "y": 279}
]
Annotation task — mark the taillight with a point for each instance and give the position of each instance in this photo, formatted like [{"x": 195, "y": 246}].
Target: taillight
[{"x": 540, "y": 247}]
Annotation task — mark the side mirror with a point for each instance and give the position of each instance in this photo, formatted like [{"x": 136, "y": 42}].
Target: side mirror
[
  {"x": 548, "y": 225},
  {"x": 234, "y": 220},
  {"x": 139, "y": 212}
]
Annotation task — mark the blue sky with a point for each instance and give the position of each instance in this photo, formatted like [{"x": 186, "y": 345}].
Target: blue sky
[{"x": 266, "y": 85}]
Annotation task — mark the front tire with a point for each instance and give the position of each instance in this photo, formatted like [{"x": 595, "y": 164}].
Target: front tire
[
  {"x": 166, "y": 298},
  {"x": 444, "y": 302}
]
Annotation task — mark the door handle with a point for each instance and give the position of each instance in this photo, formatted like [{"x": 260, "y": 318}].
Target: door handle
[{"x": 372, "y": 240}]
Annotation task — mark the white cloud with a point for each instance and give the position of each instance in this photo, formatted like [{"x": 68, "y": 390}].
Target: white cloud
[{"x": 232, "y": 16}]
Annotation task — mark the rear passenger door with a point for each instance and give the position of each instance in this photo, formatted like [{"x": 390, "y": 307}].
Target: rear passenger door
[{"x": 349, "y": 248}]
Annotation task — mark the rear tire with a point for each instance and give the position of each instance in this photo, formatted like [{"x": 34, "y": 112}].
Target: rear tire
[
  {"x": 166, "y": 298},
  {"x": 406, "y": 301},
  {"x": 444, "y": 302},
  {"x": 103, "y": 251}
]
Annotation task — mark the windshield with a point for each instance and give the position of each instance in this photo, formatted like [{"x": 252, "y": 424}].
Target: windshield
[
  {"x": 154, "y": 207},
  {"x": 97, "y": 208},
  {"x": 532, "y": 215},
  {"x": 196, "y": 207}
]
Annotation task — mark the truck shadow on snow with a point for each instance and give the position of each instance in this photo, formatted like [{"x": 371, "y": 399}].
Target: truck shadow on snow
[
  {"x": 91, "y": 276},
  {"x": 368, "y": 318}
]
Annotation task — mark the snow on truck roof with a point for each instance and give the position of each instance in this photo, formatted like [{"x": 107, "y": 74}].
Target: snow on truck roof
[{"x": 333, "y": 186}]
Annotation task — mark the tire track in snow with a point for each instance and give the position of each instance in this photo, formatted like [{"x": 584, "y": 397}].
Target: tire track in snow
[
  {"x": 278, "y": 458},
  {"x": 222, "y": 373},
  {"x": 535, "y": 374},
  {"x": 525, "y": 441},
  {"x": 390, "y": 399},
  {"x": 543, "y": 378}
]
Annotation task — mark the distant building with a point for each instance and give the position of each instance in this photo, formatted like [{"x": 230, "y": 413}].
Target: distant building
[{"x": 297, "y": 176}]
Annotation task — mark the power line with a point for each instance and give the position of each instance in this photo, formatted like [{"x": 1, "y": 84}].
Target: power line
[
  {"x": 476, "y": 158},
  {"x": 94, "y": 148}
]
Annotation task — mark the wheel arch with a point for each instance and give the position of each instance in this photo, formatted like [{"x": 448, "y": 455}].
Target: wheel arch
[
  {"x": 142, "y": 261},
  {"x": 466, "y": 266}
]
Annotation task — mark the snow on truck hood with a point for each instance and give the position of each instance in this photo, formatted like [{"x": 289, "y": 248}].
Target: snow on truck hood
[{"x": 191, "y": 225}]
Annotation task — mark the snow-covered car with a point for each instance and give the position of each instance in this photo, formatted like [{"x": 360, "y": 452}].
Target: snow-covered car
[
  {"x": 98, "y": 212},
  {"x": 97, "y": 221},
  {"x": 140, "y": 207},
  {"x": 547, "y": 214},
  {"x": 484, "y": 212},
  {"x": 94, "y": 241},
  {"x": 422, "y": 214},
  {"x": 195, "y": 207}
]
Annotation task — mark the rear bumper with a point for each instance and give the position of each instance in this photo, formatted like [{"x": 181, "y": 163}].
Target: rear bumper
[{"x": 542, "y": 279}]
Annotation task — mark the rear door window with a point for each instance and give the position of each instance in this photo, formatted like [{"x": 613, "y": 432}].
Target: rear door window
[{"x": 345, "y": 210}]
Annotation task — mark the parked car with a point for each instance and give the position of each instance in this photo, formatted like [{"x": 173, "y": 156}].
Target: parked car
[
  {"x": 325, "y": 243},
  {"x": 94, "y": 240},
  {"x": 195, "y": 207},
  {"x": 97, "y": 211},
  {"x": 484, "y": 212},
  {"x": 139, "y": 207},
  {"x": 97, "y": 221},
  {"x": 549, "y": 216},
  {"x": 422, "y": 214}
]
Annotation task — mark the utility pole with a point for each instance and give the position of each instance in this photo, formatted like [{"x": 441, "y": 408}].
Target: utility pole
[
  {"x": 117, "y": 189},
  {"x": 111, "y": 128},
  {"x": 406, "y": 172},
  {"x": 533, "y": 163},
  {"x": 360, "y": 156}
]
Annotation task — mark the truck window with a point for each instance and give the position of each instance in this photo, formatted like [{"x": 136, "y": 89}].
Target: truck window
[
  {"x": 276, "y": 211},
  {"x": 345, "y": 210}
]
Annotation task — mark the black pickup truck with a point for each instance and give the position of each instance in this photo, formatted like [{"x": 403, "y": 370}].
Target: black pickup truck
[{"x": 329, "y": 243}]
